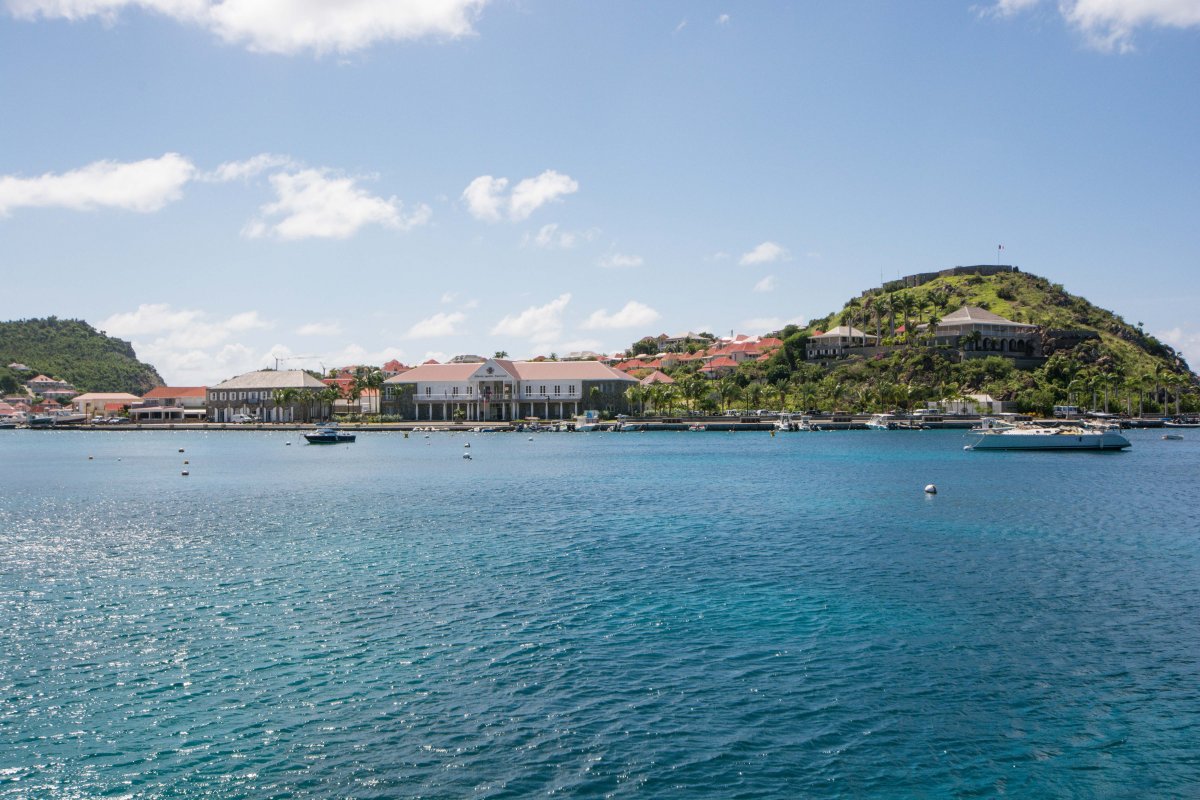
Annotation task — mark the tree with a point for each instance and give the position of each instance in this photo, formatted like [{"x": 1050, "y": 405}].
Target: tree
[
  {"x": 636, "y": 396},
  {"x": 694, "y": 386},
  {"x": 501, "y": 354},
  {"x": 594, "y": 394}
]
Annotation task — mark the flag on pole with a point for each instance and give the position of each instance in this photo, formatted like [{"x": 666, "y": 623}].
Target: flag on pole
[{"x": 999, "y": 247}]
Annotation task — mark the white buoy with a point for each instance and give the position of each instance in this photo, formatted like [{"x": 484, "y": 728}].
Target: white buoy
[
  {"x": 185, "y": 473},
  {"x": 289, "y": 444},
  {"x": 468, "y": 444},
  {"x": 467, "y": 456},
  {"x": 531, "y": 438},
  {"x": 931, "y": 489}
]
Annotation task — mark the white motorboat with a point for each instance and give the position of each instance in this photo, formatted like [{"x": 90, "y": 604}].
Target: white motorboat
[{"x": 998, "y": 435}]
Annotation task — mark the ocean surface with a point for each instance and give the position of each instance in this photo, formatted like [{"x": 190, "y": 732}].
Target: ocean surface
[{"x": 691, "y": 615}]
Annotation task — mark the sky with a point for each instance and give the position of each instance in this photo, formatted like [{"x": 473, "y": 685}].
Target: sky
[{"x": 250, "y": 183}]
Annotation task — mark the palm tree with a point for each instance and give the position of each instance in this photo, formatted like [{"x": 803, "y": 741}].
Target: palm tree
[
  {"x": 694, "y": 387},
  {"x": 931, "y": 330},
  {"x": 728, "y": 390},
  {"x": 328, "y": 396},
  {"x": 636, "y": 396}
]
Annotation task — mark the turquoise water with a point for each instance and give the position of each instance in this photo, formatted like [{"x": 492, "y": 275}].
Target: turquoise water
[{"x": 596, "y": 615}]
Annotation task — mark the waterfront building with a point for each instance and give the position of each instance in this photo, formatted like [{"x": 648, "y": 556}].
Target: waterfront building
[
  {"x": 171, "y": 404},
  {"x": 503, "y": 390},
  {"x": 253, "y": 395},
  {"x": 93, "y": 404}
]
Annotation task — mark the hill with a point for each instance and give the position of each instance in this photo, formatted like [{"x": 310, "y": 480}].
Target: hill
[
  {"x": 73, "y": 351},
  {"x": 1080, "y": 354}
]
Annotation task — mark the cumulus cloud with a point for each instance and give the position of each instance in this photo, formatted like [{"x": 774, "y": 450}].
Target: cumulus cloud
[
  {"x": 487, "y": 199},
  {"x": 536, "y": 322},
  {"x": 767, "y": 284},
  {"x": 723, "y": 19},
  {"x": 1110, "y": 25},
  {"x": 142, "y": 186},
  {"x": 316, "y": 203},
  {"x": 250, "y": 168},
  {"x": 440, "y": 324},
  {"x": 285, "y": 26},
  {"x": 319, "y": 329},
  {"x": 619, "y": 261},
  {"x": 765, "y": 253},
  {"x": 189, "y": 346},
  {"x": 633, "y": 315}
]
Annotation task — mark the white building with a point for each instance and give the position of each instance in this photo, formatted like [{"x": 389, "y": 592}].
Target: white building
[
  {"x": 837, "y": 342},
  {"x": 503, "y": 390}
]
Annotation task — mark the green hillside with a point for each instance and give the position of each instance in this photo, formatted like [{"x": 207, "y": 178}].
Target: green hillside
[
  {"x": 73, "y": 351},
  {"x": 1092, "y": 357}
]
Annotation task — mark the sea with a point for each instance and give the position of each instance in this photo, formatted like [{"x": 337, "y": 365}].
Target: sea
[{"x": 596, "y": 615}]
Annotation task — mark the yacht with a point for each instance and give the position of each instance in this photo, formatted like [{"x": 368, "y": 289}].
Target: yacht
[
  {"x": 329, "y": 435},
  {"x": 997, "y": 435}
]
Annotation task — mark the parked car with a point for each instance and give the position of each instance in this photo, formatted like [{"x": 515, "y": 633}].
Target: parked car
[{"x": 242, "y": 419}]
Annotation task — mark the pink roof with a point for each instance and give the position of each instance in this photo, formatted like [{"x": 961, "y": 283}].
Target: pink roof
[
  {"x": 723, "y": 361},
  {"x": 431, "y": 361}
]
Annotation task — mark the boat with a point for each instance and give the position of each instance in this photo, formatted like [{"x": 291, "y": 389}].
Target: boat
[
  {"x": 995, "y": 434},
  {"x": 1174, "y": 437},
  {"x": 883, "y": 422},
  {"x": 329, "y": 436},
  {"x": 1181, "y": 423}
]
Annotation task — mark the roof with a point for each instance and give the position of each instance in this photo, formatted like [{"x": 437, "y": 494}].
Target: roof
[
  {"x": 106, "y": 397},
  {"x": 657, "y": 377},
  {"x": 167, "y": 392},
  {"x": 970, "y": 314},
  {"x": 271, "y": 379},
  {"x": 520, "y": 370},
  {"x": 843, "y": 330}
]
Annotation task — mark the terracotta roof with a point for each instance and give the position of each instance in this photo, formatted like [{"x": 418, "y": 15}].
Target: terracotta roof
[
  {"x": 657, "y": 377},
  {"x": 101, "y": 397},
  {"x": 430, "y": 361},
  {"x": 723, "y": 361},
  {"x": 166, "y": 392}
]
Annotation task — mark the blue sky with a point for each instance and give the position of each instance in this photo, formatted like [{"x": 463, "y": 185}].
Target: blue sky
[{"x": 224, "y": 183}]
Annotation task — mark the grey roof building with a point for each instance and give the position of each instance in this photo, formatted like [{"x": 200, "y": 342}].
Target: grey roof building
[{"x": 253, "y": 395}]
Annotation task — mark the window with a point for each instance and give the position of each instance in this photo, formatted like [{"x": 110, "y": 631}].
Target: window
[
  {"x": 557, "y": 391},
  {"x": 470, "y": 390},
  {"x": 571, "y": 389},
  {"x": 528, "y": 390},
  {"x": 428, "y": 391},
  {"x": 454, "y": 391},
  {"x": 543, "y": 391}
]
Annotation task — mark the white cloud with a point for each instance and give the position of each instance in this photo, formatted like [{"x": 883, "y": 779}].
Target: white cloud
[
  {"x": 633, "y": 315},
  {"x": 1110, "y": 25},
  {"x": 486, "y": 199},
  {"x": 767, "y": 324},
  {"x": 449, "y": 297},
  {"x": 1186, "y": 341},
  {"x": 682, "y": 24},
  {"x": 536, "y": 322},
  {"x": 315, "y": 203},
  {"x": 319, "y": 329},
  {"x": 619, "y": 261},
  {"x": 251, "y": 167},
  {"x": 285, "y": 26},
  {"x": 532, "y": 193},
  {"x": 440, "y": 324},
  {"x": 723, "y": 19},
  {"x": 765, "y": 253},
  {"x": 767, "y": 284},
  {"x": 550, "y": 237},
  {"x": 143, "y": 186},
  {"x": 189, "y": 347},
  {"x": 356, "y": 354}
]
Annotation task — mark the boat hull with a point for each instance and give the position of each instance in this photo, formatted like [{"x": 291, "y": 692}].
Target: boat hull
[
  {"x": 323, "y": 438},
  {"x": 1057, "y": 441}
]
